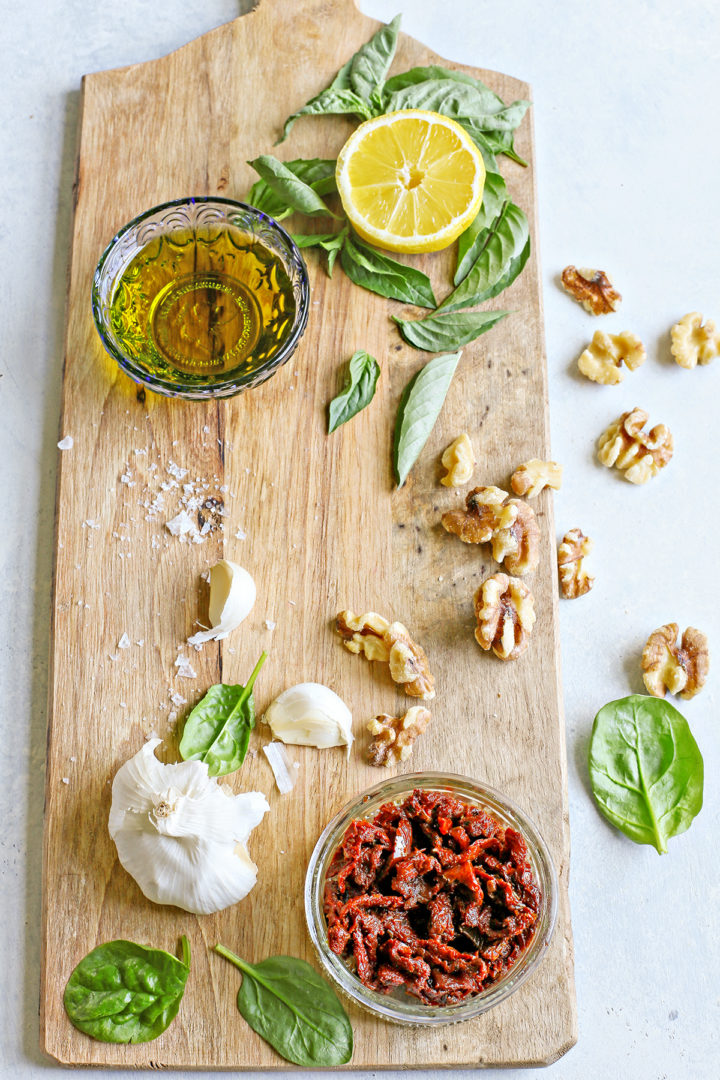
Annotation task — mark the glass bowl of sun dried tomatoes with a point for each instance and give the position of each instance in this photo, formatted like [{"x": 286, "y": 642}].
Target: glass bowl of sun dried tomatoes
[{"x": 430, "y": 898}]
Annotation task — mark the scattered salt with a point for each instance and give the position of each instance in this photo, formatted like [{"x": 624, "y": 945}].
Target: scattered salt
[
  {"x": 241, "y": 534},
  {"x": 269, "y": 624},
  {"x": 124, "y": 642},
  {"x": 66, "y": 779},
  {"x": 66, "y": 443},
  {"x": 177, "y": 699},
  {"x": 185, "y": 668}
]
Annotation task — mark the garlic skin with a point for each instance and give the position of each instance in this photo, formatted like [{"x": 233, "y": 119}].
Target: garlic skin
[
  {"x": 181, "y": 835},
  {"x": 310, "y": 714},
  {"x": 232, "y": 597}
]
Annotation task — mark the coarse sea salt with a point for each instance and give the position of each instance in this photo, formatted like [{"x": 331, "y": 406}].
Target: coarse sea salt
[
  {"x": 185, "y": 668},
  {"x": 66, "y": 443}
]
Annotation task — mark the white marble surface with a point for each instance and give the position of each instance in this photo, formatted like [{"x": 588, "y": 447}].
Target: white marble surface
[{"x": 626, "y": 114}]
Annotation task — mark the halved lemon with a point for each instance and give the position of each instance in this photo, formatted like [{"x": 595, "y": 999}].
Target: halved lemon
[{"x": 410, "y": 180}]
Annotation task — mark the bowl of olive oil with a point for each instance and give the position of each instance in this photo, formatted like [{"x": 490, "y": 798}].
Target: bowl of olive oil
[{"x": 201, "y": 297}]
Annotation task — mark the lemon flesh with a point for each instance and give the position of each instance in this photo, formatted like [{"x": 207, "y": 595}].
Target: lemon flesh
[{"x": 410, "y": 181}]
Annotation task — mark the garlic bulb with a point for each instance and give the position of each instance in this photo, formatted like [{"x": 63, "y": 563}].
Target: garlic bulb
[
  {"x": 232, "y": 596},
  {"x": 310, "y": 714},
  {"x": 181, "y": 834}
]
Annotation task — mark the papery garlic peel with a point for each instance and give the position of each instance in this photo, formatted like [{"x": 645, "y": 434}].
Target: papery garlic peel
[
  {"x": 310, "y": 714},
  {"x": 232, "y": 596},
  {"x": 181, "y": 835}
]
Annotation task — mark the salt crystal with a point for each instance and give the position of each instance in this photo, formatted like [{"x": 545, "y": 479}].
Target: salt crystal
[
  {"x": 269, "y": 624},
  {"x": 124, "y": 642},
  {"x": 66, "y": 779},
  {"x": 185, "y": 668},
  {"x": 114, "y": 658},
  {"x": 241, "y": 535},
  {"x": 181, "y": 524},
  {"x": 175, "y": 470},
  {"x": 177, "y": 699},
  {"x": 141, "y": 641},
  {"x": 123, "y": 704},
  {"x": 206, "y": 430},
  {"x": 90, "y": 524},
  {"x": 66, "y": 443}
]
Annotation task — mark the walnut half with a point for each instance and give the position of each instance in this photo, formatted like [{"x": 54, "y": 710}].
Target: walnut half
[
  {"x": 694, "y": 343},
  {"x": 393, "y": 736},
  {"x": 377, "y": 639},
  {"x": 592, "y": 288},
  {"x": 459, "y": 460},
  {"x": 682, "y": 669},
  {"x": 574, "y": 578},
  {"x": 603, "y": 359},
  {"x": 638, "y": 454},
  {"x": 534, "y": 476},
  {"x": 505, "y": 613},
  {"x": 508, "y": 524}
]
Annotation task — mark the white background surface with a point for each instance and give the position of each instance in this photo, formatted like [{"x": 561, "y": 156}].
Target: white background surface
[{"x": 626, "y": 114}]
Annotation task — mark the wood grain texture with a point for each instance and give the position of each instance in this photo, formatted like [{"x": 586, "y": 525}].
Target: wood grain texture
[{"x": 325, "y": 530}]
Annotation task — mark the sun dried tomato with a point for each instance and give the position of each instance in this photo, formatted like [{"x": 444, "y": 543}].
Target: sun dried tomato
[{"x": 432, "y": 895}]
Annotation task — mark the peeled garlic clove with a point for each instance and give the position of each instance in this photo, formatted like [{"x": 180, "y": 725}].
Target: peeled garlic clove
[
  {"x": 310, "y": 714},
  {"x": 232, "y": 596},
  {"x": 181, "y": 835}
]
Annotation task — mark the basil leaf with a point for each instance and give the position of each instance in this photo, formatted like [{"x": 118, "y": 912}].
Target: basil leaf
[
  {"x": 419, "y": 408},
  {"x": 331, "y": 243},
  {"x": 331, "y": 102},
  {"x": 646, "y": 769},
  {"x": 217, "y": 731},
  {"x": 372, "y": 61},
  {"x": 317, "y": 173},
  {"x": 294, "y": 1009},
  {"x": 505, "y": 240},
  {"x": 472, "y": 241},
  {"x": 359, "y": 390},
  {"x": 380, "y": 274},
  {"x": 491, "y": 142},
  {"x": 126, "y": 993},
  {"x": 287, "y": 186},
  {"x": 435, "y": 72},
  {"x": 447, "y": 329},
  {"x": 453, "y": 99}
]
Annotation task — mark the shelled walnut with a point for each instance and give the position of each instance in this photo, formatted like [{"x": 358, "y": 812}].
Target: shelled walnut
[
  {"x": 534, "y": 476},
  {"x": 505, "y": 613},
  {"x": 393, "y": 736},
  {"x": 574, "y": 578},
  {"x": 459, "y": 460},
  {"x": 390, "y": 643},
  {"x": 694, "y": 343},
  {"x": 508, "y": 524},
  {"x": 638, "y": 454},
  {"x": 682, "y": 669},
  {"x": 603, "y": 359},
  {"x": 592, "y": 288}
]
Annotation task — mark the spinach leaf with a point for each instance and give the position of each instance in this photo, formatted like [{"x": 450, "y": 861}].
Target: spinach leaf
[
  {"x": 646, "y": 769},
  {"x": 472, "y": 241},
  {"x": 217, "y": 731},
  {"x": 371, "y": 63},
  {"x": 317, "y": 173},
  {"x": 359, "y": 390},
  {"x": 447, "y": 329},
  {"x": 331, "y": 243},
  {"x": 505, "y": 241},
  {"x": 294, "y": 1009},
  {"x": 126, "y": 993},
  {"x": 380, "y": 274},
  {"x": 293, "y": 191},
  {"x": 419, "y": 408}
]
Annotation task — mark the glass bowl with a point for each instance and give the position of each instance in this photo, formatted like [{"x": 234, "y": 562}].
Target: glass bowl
[
  {"x": 401, "y": 1008},
  {"x": 201, "y": 298}
]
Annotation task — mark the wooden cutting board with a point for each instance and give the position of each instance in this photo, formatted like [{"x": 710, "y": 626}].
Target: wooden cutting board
[{"x": 324, "y": 529}]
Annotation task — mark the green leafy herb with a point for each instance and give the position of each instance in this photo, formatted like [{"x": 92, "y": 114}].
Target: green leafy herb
[
  {"x": 294, "y": 1009},
  {"x": 317, "y": 173},
  {"x": 356, "y": 87},
  {"x": 126, "y": 993},
  {"x": 447, "y": 329},
  {"x": 460, "y": 101},
  {"x": 472, "y": 241},
  {"x": 646, "y": 769},
  {"x": 435, "y": 72},
  {"x": 331, "y": 243},
  {"x": 217, "y": 731},
  {"x": 419, "y": 408},
  {"x": 380, "y": 274},
  {"x": 505, "y": 241},
  {"x": 359, "y": 390},
  {"x": 293, "y": 191},
  {"x": 491, "y": 142}
]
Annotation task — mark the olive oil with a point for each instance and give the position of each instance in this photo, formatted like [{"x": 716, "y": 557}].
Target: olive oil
[{"x": 199, "y": 304}]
